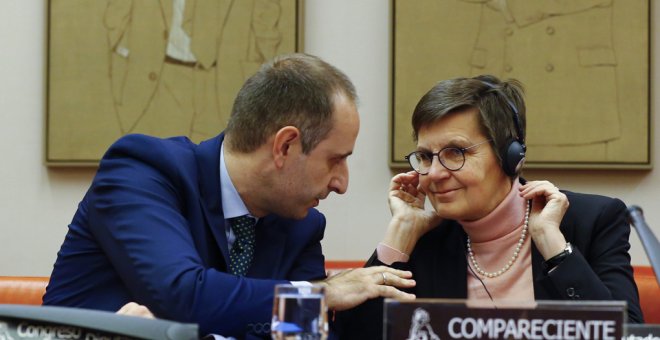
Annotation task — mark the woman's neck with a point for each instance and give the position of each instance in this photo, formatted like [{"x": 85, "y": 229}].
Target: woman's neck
[{"x": 506, "y": 217}]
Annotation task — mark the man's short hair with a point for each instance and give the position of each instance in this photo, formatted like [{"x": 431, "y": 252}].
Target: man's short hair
[{"x": 291, "y": 90}]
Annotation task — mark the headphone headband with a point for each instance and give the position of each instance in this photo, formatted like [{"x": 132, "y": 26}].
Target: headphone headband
[
  {"x": 520, "y": 136},
  {"x": 513, "y": 154}
]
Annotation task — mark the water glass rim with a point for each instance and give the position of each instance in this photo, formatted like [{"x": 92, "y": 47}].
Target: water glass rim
[{"x": 304, "y": 289}]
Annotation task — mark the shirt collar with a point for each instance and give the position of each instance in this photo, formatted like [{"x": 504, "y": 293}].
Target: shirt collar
[{"x": 232, "y": 204}]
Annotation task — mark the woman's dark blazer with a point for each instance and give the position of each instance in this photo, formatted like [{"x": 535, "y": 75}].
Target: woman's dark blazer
[{"x": 598, "y": 269}]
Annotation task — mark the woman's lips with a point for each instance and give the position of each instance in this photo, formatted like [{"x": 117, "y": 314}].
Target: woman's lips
[{"x": 444, "y": 193}]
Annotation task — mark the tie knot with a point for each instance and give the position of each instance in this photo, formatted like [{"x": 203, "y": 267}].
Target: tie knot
[{"x": 242, "y": 225}]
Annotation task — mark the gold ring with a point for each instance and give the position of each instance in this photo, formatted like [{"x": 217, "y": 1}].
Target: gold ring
[{"x": 384, "y": 278}]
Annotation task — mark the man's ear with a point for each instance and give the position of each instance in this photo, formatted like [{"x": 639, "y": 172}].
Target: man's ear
[{"x": 285, "y": 138}]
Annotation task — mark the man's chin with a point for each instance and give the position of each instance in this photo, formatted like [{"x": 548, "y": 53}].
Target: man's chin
[
  {"x": 301, "y": 216},
  {"x": 297, "y": 215},
  {"x": 299, "y": 212}
]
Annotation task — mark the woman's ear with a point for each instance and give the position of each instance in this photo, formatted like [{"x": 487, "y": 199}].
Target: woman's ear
[{"x": 286, "y": 140}]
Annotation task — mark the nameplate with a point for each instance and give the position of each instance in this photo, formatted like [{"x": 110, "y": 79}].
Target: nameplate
[
  {"x": 16, "y": 328},
  {"x": 52, "y": 322},
  {"x": 641, "y": 332},
  {"x": 435, "y": 319}
]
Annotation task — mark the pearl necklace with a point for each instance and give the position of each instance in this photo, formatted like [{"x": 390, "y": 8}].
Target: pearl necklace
[{"x": 515, "y": 252}]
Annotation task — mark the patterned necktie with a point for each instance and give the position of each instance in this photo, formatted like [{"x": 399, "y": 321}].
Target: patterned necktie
[{"x": 242, "y": 251}]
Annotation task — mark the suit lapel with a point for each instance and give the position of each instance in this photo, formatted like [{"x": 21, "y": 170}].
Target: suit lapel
[
  {"x": 440, "y": 264},
  {"x": 208, "y": 164},
  {"x": 166, "y": 8},
  {"x": 271, "y": 241},
  {"x": 223, "y": 14},
  {"x": 453, "y": 287},
  {"x": 206, "y": 20}
]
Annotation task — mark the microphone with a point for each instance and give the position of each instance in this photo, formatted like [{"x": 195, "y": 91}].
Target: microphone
[{"x": 649, "y": 241}]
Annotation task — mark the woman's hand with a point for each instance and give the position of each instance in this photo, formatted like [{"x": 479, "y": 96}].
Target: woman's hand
[
  {"x": 409, "y": 219},
  {"x": 405, "y": 197},
  {"x": 548, "y": 208}
]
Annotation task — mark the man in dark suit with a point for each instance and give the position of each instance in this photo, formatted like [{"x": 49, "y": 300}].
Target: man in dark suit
[{"x": 203, "y": 233}]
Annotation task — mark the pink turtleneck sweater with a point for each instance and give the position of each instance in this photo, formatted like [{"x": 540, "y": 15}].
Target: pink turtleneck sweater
[{"x": 494, "y": 238}]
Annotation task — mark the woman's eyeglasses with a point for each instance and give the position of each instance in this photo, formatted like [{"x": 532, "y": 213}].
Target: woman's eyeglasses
[{"x": 451, "y": 158}]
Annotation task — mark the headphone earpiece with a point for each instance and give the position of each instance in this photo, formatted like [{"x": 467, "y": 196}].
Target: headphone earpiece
[
  {"x": 513, "y": 154},
  {"x": 514, "y": 158}
]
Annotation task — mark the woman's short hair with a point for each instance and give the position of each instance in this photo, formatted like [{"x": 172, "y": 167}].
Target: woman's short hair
[
  {"x": 495, "y": 100},
  {"x": 291, "y": 90}
]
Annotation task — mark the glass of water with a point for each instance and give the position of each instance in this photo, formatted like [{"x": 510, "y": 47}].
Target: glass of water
[{"x": 299, "y": 313}]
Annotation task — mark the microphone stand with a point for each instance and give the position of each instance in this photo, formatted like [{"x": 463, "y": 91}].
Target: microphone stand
[{"x": 649, "y": 241}]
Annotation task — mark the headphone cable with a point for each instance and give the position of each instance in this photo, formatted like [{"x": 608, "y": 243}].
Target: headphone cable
[{"x": 482, "y": 283}]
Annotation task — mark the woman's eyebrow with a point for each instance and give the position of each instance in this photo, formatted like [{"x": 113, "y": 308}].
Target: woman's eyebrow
[{"x": 452, "y": 143}]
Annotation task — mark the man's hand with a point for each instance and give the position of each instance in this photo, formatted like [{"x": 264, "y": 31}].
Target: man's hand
[
  {"x": 133, "y": 309},
  {"x": 354, "y": 286}
]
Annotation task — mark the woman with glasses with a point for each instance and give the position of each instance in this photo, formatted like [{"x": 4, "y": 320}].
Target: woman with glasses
[{"x": 492, "y": 236}]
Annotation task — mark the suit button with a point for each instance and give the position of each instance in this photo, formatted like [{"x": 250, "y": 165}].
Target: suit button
[
  {"x": 570, "y": 291},
  {"x": 153, "y": 76},
  {"x": 508, "y": 68},
  {"x": 550, "y": 30},
  {"x": 508, "y": 31},
  {"x": 549, "y": 67}
]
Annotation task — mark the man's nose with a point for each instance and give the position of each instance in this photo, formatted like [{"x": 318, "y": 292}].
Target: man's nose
[{"x": 339, "y": 182}]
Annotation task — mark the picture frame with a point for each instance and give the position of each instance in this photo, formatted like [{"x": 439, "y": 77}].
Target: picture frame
[
  {"x": 584, "y": 66},
  {"x": 158, "y": 67}
]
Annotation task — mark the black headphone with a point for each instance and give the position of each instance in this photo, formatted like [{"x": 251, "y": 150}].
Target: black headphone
[{"x": 513, "y": 153}]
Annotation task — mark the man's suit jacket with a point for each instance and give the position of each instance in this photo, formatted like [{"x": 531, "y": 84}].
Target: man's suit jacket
[
  {"x": 151, "y": 230},
  {"x": 598, "y": 269}
]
